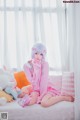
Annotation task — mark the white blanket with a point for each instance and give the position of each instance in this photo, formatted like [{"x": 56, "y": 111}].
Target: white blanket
[{"x": 59, "y": 111}]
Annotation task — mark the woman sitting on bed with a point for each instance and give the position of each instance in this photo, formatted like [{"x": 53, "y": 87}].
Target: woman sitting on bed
[{"x": 37, "y": 71}]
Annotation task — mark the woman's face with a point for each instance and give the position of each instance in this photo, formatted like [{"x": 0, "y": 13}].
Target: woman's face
[{"x": 38, "y": 56}]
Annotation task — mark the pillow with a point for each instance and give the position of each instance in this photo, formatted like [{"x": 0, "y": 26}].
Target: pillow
[
  {"x": 55, "y": 81},
  {"x": 21, "y": 79},
  {"x": 68, "y": 84}
]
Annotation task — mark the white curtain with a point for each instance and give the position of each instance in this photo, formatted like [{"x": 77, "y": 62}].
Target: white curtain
[
  {"x": 70, "y": 47},
  {"x": 77, "y": 60},
  {"x": 52, "y": 22},
  {"x": 25, "y": 22}
]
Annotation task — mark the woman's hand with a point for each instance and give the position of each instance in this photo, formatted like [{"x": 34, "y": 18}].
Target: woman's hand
[
  {"x": 36, "y": 73},
  {"x": 36, "y": 66}
]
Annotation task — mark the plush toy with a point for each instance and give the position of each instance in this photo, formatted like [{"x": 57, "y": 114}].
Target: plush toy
[
  {"x": 4, "y": 97},
  {"x": 8, "y": 84},
  {"x": 14, "y": 91},
  {"x": 6, "y": 79},
  {"x": 3, "y": 101}
]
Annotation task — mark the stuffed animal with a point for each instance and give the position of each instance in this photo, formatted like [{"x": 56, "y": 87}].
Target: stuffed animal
[
  {"x": 6, "y": 79},
  {"x": 8, "y": 84},
  {"x": 4, "y": 97},
  {"x": 3, "y": 101}
]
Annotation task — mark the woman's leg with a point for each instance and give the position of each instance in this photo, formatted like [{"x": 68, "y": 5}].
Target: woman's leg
[
  {"x": 49, "y": 100},
  {"x": 34, "y": 96}
]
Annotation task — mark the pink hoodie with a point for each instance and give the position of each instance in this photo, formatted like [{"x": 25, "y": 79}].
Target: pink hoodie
[{"x": 38, "y": 75}]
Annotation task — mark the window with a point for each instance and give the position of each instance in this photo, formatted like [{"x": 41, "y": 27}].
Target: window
[{"x": 24, "y": 22}]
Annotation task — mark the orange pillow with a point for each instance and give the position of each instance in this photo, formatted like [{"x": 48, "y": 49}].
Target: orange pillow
[{"x": 21, "y": 79}]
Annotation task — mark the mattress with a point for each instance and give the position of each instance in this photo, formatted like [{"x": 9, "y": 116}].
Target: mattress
[{"x": 60, "y": 111}]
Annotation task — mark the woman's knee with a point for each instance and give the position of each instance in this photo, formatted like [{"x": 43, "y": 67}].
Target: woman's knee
[
  {"x": 32, "y": 102},
  {"x": 44, "y": 104},
  {"x": 34, "y": 98}
]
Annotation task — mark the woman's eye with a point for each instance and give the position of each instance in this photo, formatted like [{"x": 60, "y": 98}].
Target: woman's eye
[
  {"x": 36, "y": 53},
  {"x": 41, "y": 54}
]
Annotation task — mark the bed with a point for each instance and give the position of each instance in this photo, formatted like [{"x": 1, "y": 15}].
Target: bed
[{"x": 60, "y": 111}]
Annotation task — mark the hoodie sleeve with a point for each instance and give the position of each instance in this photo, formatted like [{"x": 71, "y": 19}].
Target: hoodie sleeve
[
  {"x": 27, "y": 70},
  {"x": 32, "y": 75},
  {"x": 44, "y": 79}
]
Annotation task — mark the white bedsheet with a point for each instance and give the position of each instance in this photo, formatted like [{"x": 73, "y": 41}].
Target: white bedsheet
[{"x": 59, "y": 111}]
